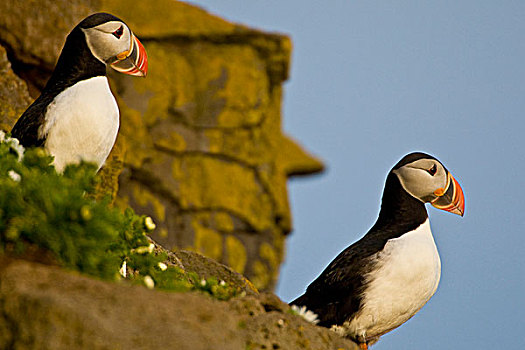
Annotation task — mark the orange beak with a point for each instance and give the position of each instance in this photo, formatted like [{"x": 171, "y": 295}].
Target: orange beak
[
  {"x": 133, "y": 61},
  {"x": 451, "y": 198}
]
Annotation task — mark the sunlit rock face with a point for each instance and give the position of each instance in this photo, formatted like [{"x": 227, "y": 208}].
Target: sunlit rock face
[{"x": 200, "y": 146}]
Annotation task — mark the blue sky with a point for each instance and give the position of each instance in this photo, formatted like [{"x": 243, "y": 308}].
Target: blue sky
[{"x": 372, "y": 81}]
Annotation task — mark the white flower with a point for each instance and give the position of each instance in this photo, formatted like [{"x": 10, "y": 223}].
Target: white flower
[
  {"x": 150, "y": 225},
  {"x": 306, "y": 314},
  {"x": 222, "y": 283},
  {"x": 144, "y": 249},
  {"x": 148, "y": 281},
  {"x": 2, "y": 136},
  {"x": 140, "y": 250},
  {"x": 162, "y": 266},
  {"x": 203, "y": 282},
  {"x": 15, "y": 145},
  {"x": 123, "y": 269},
  {"x": 14, "y": 175}
]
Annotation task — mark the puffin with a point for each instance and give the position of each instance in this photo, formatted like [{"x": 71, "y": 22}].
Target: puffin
[
  {"x": 76, "y": 117},
  {"x": 382, "y": 280}
]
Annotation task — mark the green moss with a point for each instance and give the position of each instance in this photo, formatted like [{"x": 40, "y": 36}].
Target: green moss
[
  {"x": 58, "y": 214},
  {"x": 40, "y": 207}
]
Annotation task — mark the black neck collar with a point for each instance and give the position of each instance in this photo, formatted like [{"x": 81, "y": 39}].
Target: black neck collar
[
  {"x": 400, "y": 212},
  {"x": 76, "y": 63}
]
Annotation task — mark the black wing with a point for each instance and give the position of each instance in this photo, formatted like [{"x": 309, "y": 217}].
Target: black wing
[
  {"x": 27, "y": 126},
  {"x": 336, "y": 295}
]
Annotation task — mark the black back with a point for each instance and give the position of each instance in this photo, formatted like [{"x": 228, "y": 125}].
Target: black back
[
  {"x": 76, "y": 63},
  {"x": 336, "y": 295}
]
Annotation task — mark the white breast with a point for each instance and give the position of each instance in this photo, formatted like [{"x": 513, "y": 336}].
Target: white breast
[
  {"x": 408, "y": 275},
  {"x": 82, "y": 123}
]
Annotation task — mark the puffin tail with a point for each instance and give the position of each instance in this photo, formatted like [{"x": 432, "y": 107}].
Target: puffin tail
[{"x": 299, "y": 306}]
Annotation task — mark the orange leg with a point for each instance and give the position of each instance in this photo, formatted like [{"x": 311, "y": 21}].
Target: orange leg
[{"x": 363, "y": 346}]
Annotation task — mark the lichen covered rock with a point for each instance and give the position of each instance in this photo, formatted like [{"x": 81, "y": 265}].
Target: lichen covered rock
[
  {"x": 205, "y": 153},
  {"x": 200, "y": 147}
]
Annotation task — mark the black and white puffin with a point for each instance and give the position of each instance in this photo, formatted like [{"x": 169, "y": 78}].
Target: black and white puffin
[
  {"x": 382, "y": 280},
  {"x": 76, "y": 117}
]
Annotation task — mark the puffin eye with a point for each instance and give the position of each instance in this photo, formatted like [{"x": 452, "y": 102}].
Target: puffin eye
[
  {"x": 432, "y": 171},
  {"x": 118, "y": 33}
]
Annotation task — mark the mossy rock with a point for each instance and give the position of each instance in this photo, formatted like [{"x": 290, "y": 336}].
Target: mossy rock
[
  {"x": 207, "y": 268},
  {"x": 200, "y": 148},
  {"x": 205, "y": 153}
]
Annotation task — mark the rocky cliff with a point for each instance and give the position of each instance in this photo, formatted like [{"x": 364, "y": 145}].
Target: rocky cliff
[
  {"x": 200, "y": 150},
  {"x": 44, "y": 307},
  {"x": 200, "y": 146}
]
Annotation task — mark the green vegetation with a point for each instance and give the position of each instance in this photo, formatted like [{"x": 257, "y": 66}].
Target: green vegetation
[{"x": 58, "y": 213}]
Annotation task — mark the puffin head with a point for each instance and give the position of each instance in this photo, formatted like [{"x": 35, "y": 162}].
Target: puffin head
[
  {"x": 112, "y": 42},
  {"x": 426, "y": 179}
]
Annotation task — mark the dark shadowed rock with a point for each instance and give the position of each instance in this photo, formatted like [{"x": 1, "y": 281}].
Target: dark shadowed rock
[
  {"x": 14, "y": 97},
  {"x": 44, "y": 307}
]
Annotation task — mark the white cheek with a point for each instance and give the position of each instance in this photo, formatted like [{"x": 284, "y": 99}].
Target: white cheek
[
  {"x": 105, "y": 45},
  {"x": 126, "y": 37},
  {"x": 413, "y": 182},
  {"x": 91, "y": 40},
  {"x": 443, "y": 179}
]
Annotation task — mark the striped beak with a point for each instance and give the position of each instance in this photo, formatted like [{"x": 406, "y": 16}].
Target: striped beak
[
  {"x": 133, "y": 61},
  {"x": 451, "y": 198}
]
